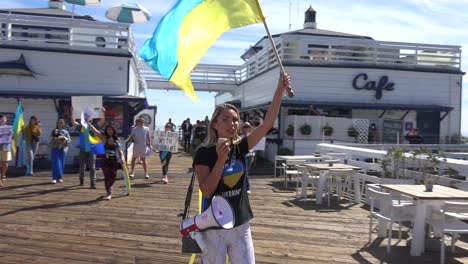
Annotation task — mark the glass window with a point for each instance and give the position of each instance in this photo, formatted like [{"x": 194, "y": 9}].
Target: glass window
[{"x": 100, "y": 42}]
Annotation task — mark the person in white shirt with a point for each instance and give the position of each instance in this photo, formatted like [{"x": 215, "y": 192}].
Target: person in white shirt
[{"x": 141, "y": 142}]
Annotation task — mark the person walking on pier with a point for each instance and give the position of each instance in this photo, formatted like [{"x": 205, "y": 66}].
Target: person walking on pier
[
  {"x": 110, "y": 161},
  {"x": 60, "y": 139},
  {"x": 32, "y": 134},
  {"x": 5, "y": 148},
  {"x": 141, "y": 141},
  {"x": 220, "y": 167}
]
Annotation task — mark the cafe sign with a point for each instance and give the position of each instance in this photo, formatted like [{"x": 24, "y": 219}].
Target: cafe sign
[{"x": 361, "y": 82}]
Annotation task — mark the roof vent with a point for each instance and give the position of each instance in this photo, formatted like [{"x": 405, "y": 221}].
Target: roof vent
[
  {"x": 57, "y": 4},
  {"x": 309, "y": 21}
]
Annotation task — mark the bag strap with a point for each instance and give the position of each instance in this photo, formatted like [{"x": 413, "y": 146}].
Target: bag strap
[{"x": 188, "y": 197}]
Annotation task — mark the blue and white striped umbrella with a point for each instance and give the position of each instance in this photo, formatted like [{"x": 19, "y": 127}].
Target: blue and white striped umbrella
[
  {"x": 128, "y": 13},
  {"x": 83, "y": 2}
]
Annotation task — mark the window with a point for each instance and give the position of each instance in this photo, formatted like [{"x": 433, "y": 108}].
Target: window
[
  {"x": 100, "y": 42},
  {"x": 52, "y": 33}
]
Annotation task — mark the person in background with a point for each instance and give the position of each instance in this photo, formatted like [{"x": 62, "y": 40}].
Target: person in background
[
  {"x": 173, "y": 126},
  {"x": 165, "y": 157},
  {"x": 220, "y": 168},
  {"x": 5, "y": 150},
  {"x": 111, "y": 160},
  {"x": 414, "y": 137},
  {"x": 207, "y": 121},
  {"x": 246, "y": 130},
  {"x": 31, "y": 134},
  {"x": 194, "y": 137},
  {"x": 313, "y": 111},
  {"x": 372, "y": 134},
  {"x": 60, "y": 139},
  {"x": 87, "y": 155},
  {"x": 187, "y": 132},
  {"x": 141, "y": 138},
  {"x": 199, "y": 135}
]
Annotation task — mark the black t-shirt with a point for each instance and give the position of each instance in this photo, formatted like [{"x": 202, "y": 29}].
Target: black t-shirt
[{"x": 232, "y": 184}]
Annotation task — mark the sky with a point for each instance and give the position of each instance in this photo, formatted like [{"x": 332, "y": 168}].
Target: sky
[{"x": 418, "y": 21}]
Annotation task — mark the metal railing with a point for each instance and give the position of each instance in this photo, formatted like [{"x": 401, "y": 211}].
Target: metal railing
[{"x": 65, "y": 33}]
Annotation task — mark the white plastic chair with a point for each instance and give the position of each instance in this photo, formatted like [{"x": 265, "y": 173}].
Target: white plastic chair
[
  {"x": 389, "y": 212},
  {"x": 449, "y": 222},
  {"x": 289, "y": 170},
  {"x": 306, "y": 178},
  {"x": 340, "y": 180}
]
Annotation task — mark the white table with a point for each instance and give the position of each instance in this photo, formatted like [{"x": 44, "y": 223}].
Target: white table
[
  {"x": 323, "y": 170},
  {"x": 425, "y": 202},
  {"x": 304, "y": 157}
]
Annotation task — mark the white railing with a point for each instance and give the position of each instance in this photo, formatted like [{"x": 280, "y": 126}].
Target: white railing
[
  {"x": 445, "y": 163},
  {"x": 65, "y": 33},
  {"x": 204, "y": 73},
  {"x": 331, "y": 51}
]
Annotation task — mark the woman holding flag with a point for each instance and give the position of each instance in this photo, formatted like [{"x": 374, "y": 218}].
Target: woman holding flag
[
  {"x": 110, "y": 161},
  {"x": 220, "y": 167},
  {"x": 87, "y": 156}
]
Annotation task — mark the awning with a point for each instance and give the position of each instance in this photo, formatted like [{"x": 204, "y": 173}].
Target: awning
[
  {"x": 352, "y": 105},
  {"x": 135, "y": 103}
]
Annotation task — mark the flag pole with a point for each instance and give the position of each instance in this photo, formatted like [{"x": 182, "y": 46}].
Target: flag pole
[{"x": 275, "y": 51}]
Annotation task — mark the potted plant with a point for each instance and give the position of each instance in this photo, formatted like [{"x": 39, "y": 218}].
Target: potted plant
[
  {"x": 352, "y": 132},
  {"x": 429, "y": 183},
  {"x": 317, "y": 153},
  {"x": 290, "y": 130},
  {"x": 285, "y": 151},
  {"x": 305, "y": 129},
  {"x": 327, "y": 130}
]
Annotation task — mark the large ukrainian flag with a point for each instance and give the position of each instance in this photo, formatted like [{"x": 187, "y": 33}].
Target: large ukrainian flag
[{"x": 186, "y": 32}]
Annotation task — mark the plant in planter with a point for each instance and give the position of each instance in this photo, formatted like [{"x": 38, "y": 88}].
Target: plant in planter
[
  {"x": 352, "y": 132},
  {"x": 290, "y": 130},
  {"x": 429, "y": 183},
  {"x": 317, "y": 153},
  {"x": 305, "y": 129},
  {"x": 327, "y": 130},
  {"x": 395, "y": 159},
  {"x": 285, "y": 151}
]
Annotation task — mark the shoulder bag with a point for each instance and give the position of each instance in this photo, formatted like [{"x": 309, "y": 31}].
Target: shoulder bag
[{"x": 189, "y": 245}]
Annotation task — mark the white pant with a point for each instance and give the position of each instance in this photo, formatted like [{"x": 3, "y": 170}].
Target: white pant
[{"x": 236, "y": 242}]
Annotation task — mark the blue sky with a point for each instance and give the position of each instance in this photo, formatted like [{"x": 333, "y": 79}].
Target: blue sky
[{"x": 420, "y": 21}]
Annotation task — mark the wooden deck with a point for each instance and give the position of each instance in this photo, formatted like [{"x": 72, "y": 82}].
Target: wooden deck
[{"x": 66, "y": 223}]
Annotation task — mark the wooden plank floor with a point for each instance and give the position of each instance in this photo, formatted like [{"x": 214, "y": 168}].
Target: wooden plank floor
[{"x": 66, "y": 223}]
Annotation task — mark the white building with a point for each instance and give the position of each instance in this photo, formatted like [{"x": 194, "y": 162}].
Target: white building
[
  {"x": 49, "y": 54},
  {"x": 358, "y": 80}
]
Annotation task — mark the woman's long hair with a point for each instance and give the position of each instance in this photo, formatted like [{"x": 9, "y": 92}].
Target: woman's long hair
[
  {"x": 212, "y": 133},
  {"x": 114, "y": 135}
]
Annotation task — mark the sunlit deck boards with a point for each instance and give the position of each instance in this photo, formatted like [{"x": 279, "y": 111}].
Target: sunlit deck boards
[{"x": 65, "y": 223}]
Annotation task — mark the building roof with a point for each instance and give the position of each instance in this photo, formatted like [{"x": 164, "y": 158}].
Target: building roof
[
  {"x": 49, "y": 12},
  {"x": 353, "y": 105},
  {"x": 321, "y": 32},
  {"x": 306, "y": 32}
]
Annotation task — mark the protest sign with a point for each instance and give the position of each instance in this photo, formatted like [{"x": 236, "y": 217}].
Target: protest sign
[
  {"x": 166, "y": 141},
  {"x": 6, "y": 133},
  {"x": 91, "y": 105}
]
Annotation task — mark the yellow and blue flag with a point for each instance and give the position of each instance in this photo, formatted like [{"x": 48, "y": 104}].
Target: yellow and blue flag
[
  {"x": 187, "y": 31},
  {"x": 18, "y": 125}
]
